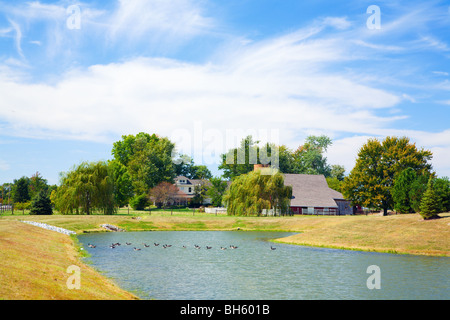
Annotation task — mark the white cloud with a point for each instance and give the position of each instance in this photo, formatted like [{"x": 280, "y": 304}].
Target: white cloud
[
  {"x": 297, "y": 83},
  {"x": 18, "y": 37},
  {"x": 441, "y": 73},
  {"x": 138, "y": 18}
]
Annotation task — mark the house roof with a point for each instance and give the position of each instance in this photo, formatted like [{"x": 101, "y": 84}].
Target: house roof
[
  {"x": 192, "y": 182},
  {"x": 311, "y": 191}
]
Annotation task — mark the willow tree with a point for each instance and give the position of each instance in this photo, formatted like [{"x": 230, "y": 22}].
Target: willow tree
[
  {"x": 250, "y": 193},
  {"x": 88, "y": 187}
]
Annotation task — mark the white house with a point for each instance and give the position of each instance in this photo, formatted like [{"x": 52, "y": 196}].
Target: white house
[{"x": 186, "y": 189}]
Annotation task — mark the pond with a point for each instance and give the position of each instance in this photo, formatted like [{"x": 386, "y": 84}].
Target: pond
[{"x": 202, "y": 265}]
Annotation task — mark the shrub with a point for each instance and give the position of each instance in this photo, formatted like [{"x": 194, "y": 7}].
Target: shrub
[
  {"x": 139, "y": 202},
  {"x": 41, "y": 204}
]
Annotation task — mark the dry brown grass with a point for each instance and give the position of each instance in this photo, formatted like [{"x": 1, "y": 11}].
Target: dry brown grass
[
  {"x": 408, "y": 234},
  {"x": 33, "y": 265}
]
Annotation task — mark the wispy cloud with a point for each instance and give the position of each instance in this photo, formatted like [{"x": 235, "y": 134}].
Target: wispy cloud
[
  {"x": 18, "y": 37},
  {"x": 134, "y": 19},
  {"x": 280, "y": 83}
]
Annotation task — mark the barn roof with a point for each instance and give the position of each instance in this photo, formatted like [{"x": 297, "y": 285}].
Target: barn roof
[{"x": 311, "y": 191}]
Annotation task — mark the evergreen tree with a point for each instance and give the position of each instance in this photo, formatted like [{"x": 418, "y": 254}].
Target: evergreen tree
[
  {"x": 442, "y": 188},
  {"x": 401, "y": 189},
  {"x": 41, "y": 204},
  {"x": 417, "y": 189},
  {"x": 20, "y": 190},
  {"x": 430, "y": 205}
]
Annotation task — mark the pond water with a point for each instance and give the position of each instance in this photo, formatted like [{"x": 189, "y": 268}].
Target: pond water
[{"x": 253, "y": 271}]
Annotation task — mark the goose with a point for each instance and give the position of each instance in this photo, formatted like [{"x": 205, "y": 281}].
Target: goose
[
  {"x": 91, "y": 245},
  {"x": 208, "y": 247},
  {"x": 146, "y": 245},
  {"x": 272, "y": 248},
  {"x": 184, "y": 247},
  {"x": 223, "y": 248},
  {"x": 128, "y": 243},
  {"x": 156, "y": 244},
  {"x": 233, "y": 247},
  {"x": 136, "y": 249}
]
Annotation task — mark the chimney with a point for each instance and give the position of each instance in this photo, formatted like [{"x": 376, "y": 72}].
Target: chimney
[{"x": 259, "y": 166}]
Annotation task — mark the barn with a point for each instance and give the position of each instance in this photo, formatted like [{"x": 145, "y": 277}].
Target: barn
[{"x": 311, "y": 195}]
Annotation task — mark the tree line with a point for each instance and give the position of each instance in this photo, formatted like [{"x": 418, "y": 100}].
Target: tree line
[{"x": 391, "y": 174}]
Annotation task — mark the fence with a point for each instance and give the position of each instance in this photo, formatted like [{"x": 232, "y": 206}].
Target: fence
[
  {"x": 320, "y": 211},
  {"x": 6, "y": 208},
  {"x": 271, "y": 212},
  {"x": 215, "y": 210}
]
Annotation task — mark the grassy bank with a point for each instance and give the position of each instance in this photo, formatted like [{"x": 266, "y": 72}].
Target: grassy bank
[{"x": 33, "y": 261}]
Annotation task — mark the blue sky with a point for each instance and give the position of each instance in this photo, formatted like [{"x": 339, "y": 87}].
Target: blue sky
[{"x": 76, "y": 76}]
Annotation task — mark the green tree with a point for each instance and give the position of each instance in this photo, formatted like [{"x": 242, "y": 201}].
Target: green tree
[
  {"x": 334, "y": 183},
  {"x": 201, "y": 172},
  {"x": 123, "y": 186},
  {"x": 41, "y": 204},
  {"x": 20, "y": 190},
  {"x": 216, "y": 190},
  {"x": 286, "y": 159},
  {"x": 250, "y": 193},
  {"x": 87, "y": 187},
  {"x": 430, "y": 206},
  {"x": 199, "y": 194},
  {"x": 184, "y": 166},
  {"x": 240, "y": 160},
  {"x": 139, "y": 202},
  {"x": 401, "y": 190},
  {"x": 38, "y": 184},
  {"x": 309, "y": 157},
  {"x": 338, "y": 172},
  {"x": 6, "y": 192},
  {"x": 442, "y": 188},
  {"x": 148, "y": 159},
  {"x": 417, "y": 189},
  {"x": 378, "y": 164}
]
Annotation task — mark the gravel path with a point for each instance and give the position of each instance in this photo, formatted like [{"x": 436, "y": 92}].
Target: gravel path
[{"x": 49, "y": 227}]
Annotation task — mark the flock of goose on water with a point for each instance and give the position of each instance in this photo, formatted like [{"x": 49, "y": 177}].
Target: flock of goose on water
[{"x": 113, "y": 245}]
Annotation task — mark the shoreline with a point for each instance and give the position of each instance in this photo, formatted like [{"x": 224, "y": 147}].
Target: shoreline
[
  {"x": 396, "y": 234},
  {"x": 401, "y": 234}
]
